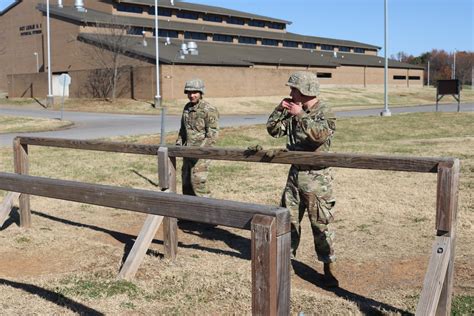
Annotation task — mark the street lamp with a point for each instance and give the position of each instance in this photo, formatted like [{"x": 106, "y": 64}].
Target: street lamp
[
  {"x": 49, "y": 97},
  {"x": 386, "y": 111},
  {"x": 37, "y": 62}
]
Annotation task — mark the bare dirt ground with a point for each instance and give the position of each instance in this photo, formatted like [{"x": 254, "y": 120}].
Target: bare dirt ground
[{"x": 67, "y": 262}]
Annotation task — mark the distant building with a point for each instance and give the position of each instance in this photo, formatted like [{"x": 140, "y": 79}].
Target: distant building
[{"x": 240, "y": 54}]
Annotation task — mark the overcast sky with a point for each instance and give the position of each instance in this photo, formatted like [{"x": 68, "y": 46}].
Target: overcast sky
[{"x": 415, "y": 26}]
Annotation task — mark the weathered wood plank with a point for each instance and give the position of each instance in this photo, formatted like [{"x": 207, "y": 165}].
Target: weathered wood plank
[
  {"x": 163, "y": 168},
  {"x": 170, "y": 224},
  {"x": 21, "y": 164},
  {"x": 358, "y": 161},
  {"x": 140, "y": 247},
  {"x": 170, "y": 237},
  {"x": 445, "y": 300},
  {"x": 283, "y": 273},
  {"x": 435, "y": 277},
  {"x": 6, "y": 205},
  {"x": 264, "y": 266},
  {"x": 204, "y": 210}
]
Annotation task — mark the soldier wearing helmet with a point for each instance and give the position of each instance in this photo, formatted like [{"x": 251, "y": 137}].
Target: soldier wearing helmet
[
  {"x": 199, "y": 127},
  {"x": 309, "y": 126}
]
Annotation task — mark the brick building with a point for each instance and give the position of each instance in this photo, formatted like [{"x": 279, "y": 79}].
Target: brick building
[{"x": 240, "y": 54}]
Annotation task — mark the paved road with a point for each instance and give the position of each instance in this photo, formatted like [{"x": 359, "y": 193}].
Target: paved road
[{"x": 99, "y": 125}]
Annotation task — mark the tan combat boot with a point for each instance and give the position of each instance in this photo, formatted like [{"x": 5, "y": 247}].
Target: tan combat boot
[{"x": 329, "y": 278}]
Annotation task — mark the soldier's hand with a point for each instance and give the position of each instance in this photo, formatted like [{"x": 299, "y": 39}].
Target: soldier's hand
[
  {"x": 251, "y": 150},
  {"x": 292, "y": 107}
]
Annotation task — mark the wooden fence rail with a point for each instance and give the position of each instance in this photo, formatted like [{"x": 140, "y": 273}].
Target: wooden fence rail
[
  {"x": 267, "y": 296},
  {"x": 438, "y": 279}
]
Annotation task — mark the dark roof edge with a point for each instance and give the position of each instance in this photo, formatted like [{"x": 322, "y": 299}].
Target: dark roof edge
[{"x": 2, "y": 12}]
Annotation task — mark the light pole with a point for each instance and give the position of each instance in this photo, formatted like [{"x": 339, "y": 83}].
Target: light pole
[
  {"x": 37, "y": 62},
  {"x": 386, "y": 111},
  {"x": 49, "y": 97}
]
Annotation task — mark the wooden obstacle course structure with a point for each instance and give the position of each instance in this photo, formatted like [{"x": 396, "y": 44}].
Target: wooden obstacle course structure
[{"x": 436, "y": 295}]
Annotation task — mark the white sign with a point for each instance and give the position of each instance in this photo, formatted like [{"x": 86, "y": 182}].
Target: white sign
[{"x": 64, "y": 80}]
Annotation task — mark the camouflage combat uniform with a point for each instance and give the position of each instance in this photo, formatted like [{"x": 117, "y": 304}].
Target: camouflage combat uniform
[
  {"x": 199, "y": 127},
  {"x": 308, "y": 188}
]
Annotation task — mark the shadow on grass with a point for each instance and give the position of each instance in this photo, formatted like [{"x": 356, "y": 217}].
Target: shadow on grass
[
  {"x": 366, "y": 305},
  {"x": 13, "y": 218},
  {"x": 52, "y": 297},
  {"x": 214, "y": 233},
  {"x": 144, "y": 177},
  {"x": 234, "y": 241}
]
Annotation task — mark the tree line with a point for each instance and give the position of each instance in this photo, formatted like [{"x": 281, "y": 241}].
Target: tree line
[{"x": 441, "y": 64}]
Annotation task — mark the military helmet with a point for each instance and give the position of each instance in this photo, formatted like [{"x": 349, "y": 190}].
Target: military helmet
[
  {"x": 306, "y": 82},
  {"x": 194, "y": 85}
]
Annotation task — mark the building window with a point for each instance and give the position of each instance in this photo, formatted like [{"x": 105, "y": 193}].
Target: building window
[
  {"x": 135, "y": 30},
  {"x": 257, "y": 23},
  {"x": 309, "y": 45},
  {"x": 359, "y": 50},
  {"x": 188, "y": 15},
  {"x": 128, "y": 8},
  {"x": 195, "y": 36},
  {"x": 234, "y": 20},
  {"x": 399, "y": 77},
  {"x": 344, "y": 49},
  {"x": 269, "y": 42},
  {"x": 222, "y": 38},
  {"x": 414, "y": 78},
  {"x": 277, "y": 26},
  {"x": 161, "y": 11},
  {"x": 212, "y": 18},
  {"x": 324, "y": 75},
  {"x": 290, "y": 44},
  {"x": 167, "y": 33},
  {"x": 327, "y": 47},
  {"x": 247, "y": 40}
]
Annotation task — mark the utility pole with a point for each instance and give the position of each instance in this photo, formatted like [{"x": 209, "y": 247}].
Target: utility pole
[
  {"x": 428, "y": 73},
  {"x": 386, "y": 110}
]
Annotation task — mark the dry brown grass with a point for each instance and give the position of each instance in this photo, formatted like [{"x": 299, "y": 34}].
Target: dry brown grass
[
  {"x": 341, "y": 98},
  {"x": 69, "y": 259},
  {"x": 14, "y": 124}
]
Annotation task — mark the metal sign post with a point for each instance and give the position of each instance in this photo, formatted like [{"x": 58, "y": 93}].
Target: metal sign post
[{"x": 64, "y": 80}]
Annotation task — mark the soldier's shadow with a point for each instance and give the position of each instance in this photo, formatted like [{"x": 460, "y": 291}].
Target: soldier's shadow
[
  {"x": 366, "y": 305},
  {"x": 215, "y": 233}
]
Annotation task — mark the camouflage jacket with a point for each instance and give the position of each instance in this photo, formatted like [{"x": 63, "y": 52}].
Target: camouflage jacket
[
  {"x": 311, "y": 130},
  {"x": 199, "y": 125}
]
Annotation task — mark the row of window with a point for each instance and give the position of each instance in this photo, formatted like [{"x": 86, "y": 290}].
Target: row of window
[
  {"x": 397, "y": 77},
  {"x": 241, "y": 39},
  {"x": 122, "y": 7}
]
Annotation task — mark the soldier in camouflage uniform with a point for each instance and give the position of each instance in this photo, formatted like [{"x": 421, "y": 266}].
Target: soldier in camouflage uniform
[
  {"x": 309, "y": 126},
  {"x": 199, "y": 127}
]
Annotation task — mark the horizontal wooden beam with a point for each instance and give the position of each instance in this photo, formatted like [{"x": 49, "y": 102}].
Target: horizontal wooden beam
[
  {"x": 204, "y": 210},
  {"x": 358, "y": 161}
]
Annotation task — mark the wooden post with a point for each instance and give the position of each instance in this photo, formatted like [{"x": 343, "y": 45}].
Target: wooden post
[
  {"x": 264, "y": 266},
  {"x": 435, "y": 277},
  {"x": 170, "y": 224},
  {"x": 283, "y": 274},
  {"x": 6, "y": 205},
  {"x": 446, "y": 218},
  {"x": 20, "y": 152}
]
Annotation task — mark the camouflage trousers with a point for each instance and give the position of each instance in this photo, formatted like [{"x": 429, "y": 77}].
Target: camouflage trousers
[
  {"x": 194, "y": 177},
  {"x": 311, "y": 190}
]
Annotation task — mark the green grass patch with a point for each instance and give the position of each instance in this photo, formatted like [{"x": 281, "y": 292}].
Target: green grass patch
[
  {"x": 96, "y": 288},
  {"x": 462, "y": 306}
]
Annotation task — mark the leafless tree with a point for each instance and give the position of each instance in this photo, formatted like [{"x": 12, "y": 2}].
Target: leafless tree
[{"x": 110, "y": 46}]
